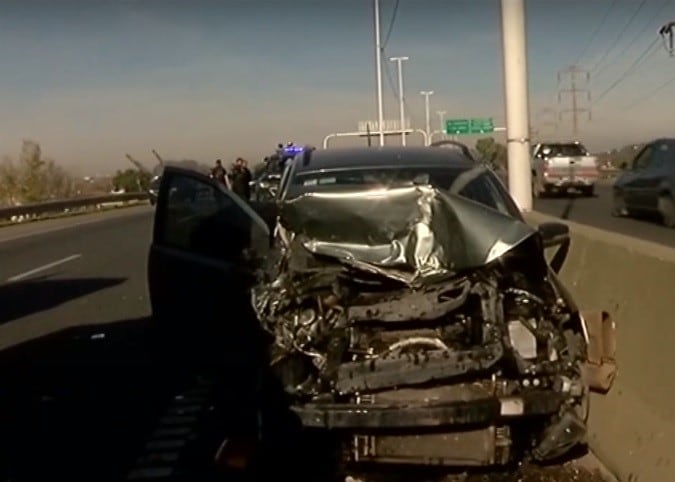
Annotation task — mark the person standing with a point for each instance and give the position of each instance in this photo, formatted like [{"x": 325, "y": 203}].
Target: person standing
[
  {"x": 219, "y": 173},
  {"x": 241, "y": 177},
  {"x": 247, "y": 178}
]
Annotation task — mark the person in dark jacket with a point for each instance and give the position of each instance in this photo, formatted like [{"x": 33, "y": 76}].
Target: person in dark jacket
[
  {"x": 241, "y": 177},
  {"x": 220, "y": 173}
]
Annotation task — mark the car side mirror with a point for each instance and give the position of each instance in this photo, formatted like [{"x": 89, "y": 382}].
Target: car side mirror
[
  {"x": 556, "y": 234},
  {"x": 553, "y": 234}
]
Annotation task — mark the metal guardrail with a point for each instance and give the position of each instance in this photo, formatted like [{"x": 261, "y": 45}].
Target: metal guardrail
[{"x": 49, "y": 207}]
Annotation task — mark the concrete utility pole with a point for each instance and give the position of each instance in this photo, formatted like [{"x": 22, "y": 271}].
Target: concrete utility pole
[
  {"x": 573, "y": 71},
  {"x": 517, "y": 108},
  {"x": 378, "y": 71},
  {"x": 399, "y": 63},
  {"x": 426, "y": 94},
  {"x": 441, "y": 119}
]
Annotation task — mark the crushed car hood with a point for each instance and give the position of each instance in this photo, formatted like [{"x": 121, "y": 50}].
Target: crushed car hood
[{"x": 410, "y": 234}]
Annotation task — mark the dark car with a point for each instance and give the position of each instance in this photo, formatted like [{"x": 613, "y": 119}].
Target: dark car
[
  {"x": 647, "y": 185},
  {"x": 410, "y": 314}
]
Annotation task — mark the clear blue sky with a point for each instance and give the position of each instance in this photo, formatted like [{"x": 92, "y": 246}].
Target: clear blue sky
[{"x": 93, "y": 80}]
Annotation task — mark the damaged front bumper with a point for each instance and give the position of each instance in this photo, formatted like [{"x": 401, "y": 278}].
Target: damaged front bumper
[
  {"x": 379, "y": 416},
  {"x": 473, "y": 423}
]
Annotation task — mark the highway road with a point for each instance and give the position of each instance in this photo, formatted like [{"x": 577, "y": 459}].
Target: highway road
[
  {"x": 62, "y": 273},
  {"x": 596, "y": 212}
]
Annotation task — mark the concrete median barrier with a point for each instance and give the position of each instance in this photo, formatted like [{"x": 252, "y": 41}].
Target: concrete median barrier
[{"x": 632, "y": 427}]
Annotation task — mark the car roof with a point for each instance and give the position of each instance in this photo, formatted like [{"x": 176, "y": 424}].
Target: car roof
[
  {"x": 359, "y": 157},
  {"x": 664, "y": 140},
  {"x": 559, "y": 143}
]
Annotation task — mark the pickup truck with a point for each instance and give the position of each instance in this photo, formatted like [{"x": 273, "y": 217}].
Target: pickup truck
[{"x": 558, "y": 167}]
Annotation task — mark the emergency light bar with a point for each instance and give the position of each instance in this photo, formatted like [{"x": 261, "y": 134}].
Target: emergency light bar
[{"x": 292, "y": 150}]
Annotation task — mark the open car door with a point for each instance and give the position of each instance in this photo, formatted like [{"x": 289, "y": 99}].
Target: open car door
[{"x": 206, "y": 244}]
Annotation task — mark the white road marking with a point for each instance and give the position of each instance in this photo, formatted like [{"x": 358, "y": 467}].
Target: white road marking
[{"x": 26, "y": 274}]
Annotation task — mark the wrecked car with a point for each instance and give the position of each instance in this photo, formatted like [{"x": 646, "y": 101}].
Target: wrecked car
[{"x": 411, "y": 313}]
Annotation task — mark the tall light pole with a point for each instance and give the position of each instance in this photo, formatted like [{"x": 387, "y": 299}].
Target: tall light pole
[
  {"x": 441, "y": 119},
  {"x": 426, "y": 94},
  {"x": 399, "y": 62},
  {"x": 378, "y": 70},
  {"x": 517, "y": 108}
]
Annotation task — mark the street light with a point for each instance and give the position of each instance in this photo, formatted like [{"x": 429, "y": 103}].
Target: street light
[
  {"x": 441, "y": 119},
  {"x": 399, "y": 61},
  {"x": 426, "y": 94}
]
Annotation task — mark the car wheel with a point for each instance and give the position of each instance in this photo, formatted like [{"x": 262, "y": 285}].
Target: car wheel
[
  {"x": 618, "y": 206},
  {"x": 666, "y": 208}
]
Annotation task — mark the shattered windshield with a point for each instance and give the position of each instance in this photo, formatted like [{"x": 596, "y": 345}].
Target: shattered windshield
[
  {"x": 476, "y": 184},
  {"x": 439, "y": 177}
]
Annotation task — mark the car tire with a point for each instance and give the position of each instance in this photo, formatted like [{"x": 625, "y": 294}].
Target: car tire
[
  {"x": 619, "y": 209},
  {"x": 666, "y": 208}
]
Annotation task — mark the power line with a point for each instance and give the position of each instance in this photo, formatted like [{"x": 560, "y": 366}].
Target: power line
[
  {"x": 596, "y": 31},
  {"x": 635, "y": 39},
  {"x": 391, "y": 25},
  {"x": 652, "y": 93},
  {"x": 633, "y": 68},
  {"x": 388, "y": 73},
  {"x": 623, "y": 30}
]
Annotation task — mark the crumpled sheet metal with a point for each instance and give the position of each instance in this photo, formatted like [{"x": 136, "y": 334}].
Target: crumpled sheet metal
[{"x": 410, "y": 234}]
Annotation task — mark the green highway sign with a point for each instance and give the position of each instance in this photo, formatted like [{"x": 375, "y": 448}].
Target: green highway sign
[
  {"x": 482, "y": 126},
  {"x": 457, "y": 126},
  {"x": 469, "y": 126}
]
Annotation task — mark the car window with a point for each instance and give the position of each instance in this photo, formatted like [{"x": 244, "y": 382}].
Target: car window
[
  {"x": 285, "y": 176},
  {"x": 201, "y": 219},
  {"x": 565, "y": 150},
  {"x": 662, "y": 156},
  {"x": 484, "y": 190},
  {"x": 643, "y": 159}
]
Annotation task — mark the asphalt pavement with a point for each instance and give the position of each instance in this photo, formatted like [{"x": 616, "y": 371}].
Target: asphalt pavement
[
  {"x": 73, "y": 271},
  {"x": 596, "y": 212}
]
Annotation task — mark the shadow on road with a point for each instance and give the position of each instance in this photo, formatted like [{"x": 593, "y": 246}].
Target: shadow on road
[
  {"x": 83, "y": 403},
  {"x": 24, "y": 298},
  {"x": 74, "y": 405}
]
